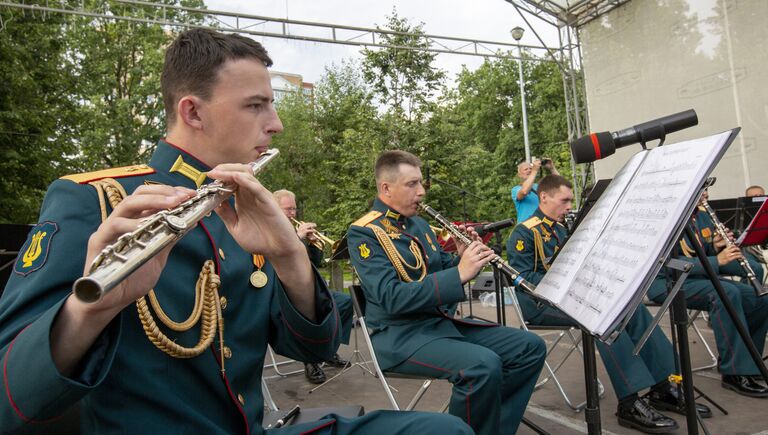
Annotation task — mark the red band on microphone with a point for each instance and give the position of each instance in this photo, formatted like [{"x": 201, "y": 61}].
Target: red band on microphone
[{"x": 595, "y": 145}]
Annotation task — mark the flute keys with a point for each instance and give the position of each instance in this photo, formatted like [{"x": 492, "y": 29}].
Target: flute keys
[{"x": 175, "y": 223}]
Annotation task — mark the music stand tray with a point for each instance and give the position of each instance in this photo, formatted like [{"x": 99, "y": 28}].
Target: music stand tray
[{"x": 757, "y": 231}]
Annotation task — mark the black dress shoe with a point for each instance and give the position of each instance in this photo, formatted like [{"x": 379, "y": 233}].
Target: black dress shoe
[
  {"x": 668, "y": 398},
  {"x": 314, "y": 373},
  {"x": 757, "y": 378},
  {"x": 641, "y": 416},
  {"x": 744, "y": 385},
  {"x": 336, "y": 361}
]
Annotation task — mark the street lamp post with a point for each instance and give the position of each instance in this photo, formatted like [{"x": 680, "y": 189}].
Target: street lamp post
[{"x": 517, "y": 34}]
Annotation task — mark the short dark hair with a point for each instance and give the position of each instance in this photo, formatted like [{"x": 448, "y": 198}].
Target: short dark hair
[
  {"x": 193, "y": 60},
  {"x": 389, "y": 162},
  {"x": 552, "y": 183}
]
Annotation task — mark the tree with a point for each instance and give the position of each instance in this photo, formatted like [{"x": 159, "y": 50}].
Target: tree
[
  {"x": 404, "y": 80},
  {"x": 78, "y": 94},
  {"x": 35, "y": 109}
]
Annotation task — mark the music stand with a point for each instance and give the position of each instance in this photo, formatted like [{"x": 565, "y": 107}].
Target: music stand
[
  {"x": 756, "y": 232},
  {"x": 341, "y": 251},
  {"x": 728, "y": 211},
  {"x": 592, "y": 198}
]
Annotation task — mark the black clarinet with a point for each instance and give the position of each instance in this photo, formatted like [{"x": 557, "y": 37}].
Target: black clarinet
[
  {"x": 497, "y": 262},
  {"x": 751, "y": 277}
]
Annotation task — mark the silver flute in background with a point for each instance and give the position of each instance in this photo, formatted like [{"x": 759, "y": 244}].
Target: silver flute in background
[
  {"x": 751, "y": 277},
  {"x": 131, "y": 250},
  {"x": 497, "y": 262}
]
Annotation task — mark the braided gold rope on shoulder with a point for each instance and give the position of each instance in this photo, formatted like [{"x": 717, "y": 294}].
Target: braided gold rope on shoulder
[
  {"x": 396, "y": 259},
  {"x": 538, "y": 244},
  {"x": 207, "y": 303}
]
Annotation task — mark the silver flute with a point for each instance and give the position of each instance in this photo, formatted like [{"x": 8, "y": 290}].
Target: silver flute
[
  {"x": 497, "y": 262},
  {"x": 131, "y": 250},
  {"x": 751, "y": 277}
]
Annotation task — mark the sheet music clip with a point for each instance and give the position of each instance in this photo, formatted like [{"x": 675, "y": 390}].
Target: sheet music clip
[{"x": 684, "y": 268}]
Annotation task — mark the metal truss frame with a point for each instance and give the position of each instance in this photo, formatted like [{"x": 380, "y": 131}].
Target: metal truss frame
[
  {"x": 256, "y": 25},
  {"x": 566, "y": 15}
]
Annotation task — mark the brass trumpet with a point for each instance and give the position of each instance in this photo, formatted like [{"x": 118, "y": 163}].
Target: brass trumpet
[
  {"x": 441, "y": 233},
  {"x": 320, "y": 241}
]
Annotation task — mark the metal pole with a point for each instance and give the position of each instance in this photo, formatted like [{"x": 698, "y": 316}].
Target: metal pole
[{"x": 522, "y": 98}]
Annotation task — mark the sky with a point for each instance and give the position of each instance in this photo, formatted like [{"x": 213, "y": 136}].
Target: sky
[{"x": 478, "y": 19}]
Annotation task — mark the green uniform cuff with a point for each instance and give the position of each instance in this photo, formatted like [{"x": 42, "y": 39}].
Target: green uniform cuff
[
  {"x": 327, "y": 328},
  {"x": 34, "y": 387}
]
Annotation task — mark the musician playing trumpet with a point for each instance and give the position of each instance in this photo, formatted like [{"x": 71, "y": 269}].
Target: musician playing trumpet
[
  {"x": 739, "y": 373},
  {"x": 412, "y": 288},
  {"x": 307, "y": 232}
]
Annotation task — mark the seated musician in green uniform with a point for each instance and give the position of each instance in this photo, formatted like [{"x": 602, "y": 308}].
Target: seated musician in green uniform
[
  {"x": 738, "y": 370},
  {"x": 306, "y": 232},
  {"x": 136, "y": 366},
  {"x": 412, "y": 288},
  {"x": 529, "y": 249},
  {"x": 714, "y": 242}
]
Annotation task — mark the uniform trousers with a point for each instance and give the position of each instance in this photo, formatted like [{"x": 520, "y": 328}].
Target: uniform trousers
[
  {"x": 628, "y": 373},
  {"x": 752, "y": 311},
  {"x": 493, "y": 371}
]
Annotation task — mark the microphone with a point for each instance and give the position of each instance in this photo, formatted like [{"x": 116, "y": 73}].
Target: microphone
[
  {"x": 600, "y": 145},
  {"x": 484, "y": 229}
]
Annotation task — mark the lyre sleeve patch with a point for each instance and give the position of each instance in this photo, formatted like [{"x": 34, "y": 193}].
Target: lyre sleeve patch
[
  {"x": 34, "y": 253},
  {"x": 520, "y": 245},
  {"x": 364, "y": 250}
]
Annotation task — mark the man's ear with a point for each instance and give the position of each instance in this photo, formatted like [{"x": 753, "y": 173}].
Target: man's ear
[
  {"x": 384, "y": 188},
  {"x": 190, "y": 109}
]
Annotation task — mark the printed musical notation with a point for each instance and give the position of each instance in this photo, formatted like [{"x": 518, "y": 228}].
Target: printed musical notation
[{"x": 609, "y": 257}]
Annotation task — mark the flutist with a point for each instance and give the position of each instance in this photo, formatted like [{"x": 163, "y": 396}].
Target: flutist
[
  {"x": 739, "y": 372},
  {"x": 133, "y": 363},
  {"x": 412, "y": 288}
]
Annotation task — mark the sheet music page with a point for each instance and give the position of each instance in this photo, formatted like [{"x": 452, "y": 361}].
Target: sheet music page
[
  {"x": 568, "y": 261},
  {"x": 637, "y": 229}
]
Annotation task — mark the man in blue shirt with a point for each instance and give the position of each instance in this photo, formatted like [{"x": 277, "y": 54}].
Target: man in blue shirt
[{"x": 525, "y": 195}]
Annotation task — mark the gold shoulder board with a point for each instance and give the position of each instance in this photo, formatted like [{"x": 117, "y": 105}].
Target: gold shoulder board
[
  {"x": 368, "y": 218},
  {"x": 532, "y": 222},
  {"x": 125, "y": 171}
]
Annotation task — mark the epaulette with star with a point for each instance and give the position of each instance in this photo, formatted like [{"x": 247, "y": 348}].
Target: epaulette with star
[
  {"x": 367, "y": 218},
  {"x": 532, "y": 222},
  {"x": 122, "y": 172}
]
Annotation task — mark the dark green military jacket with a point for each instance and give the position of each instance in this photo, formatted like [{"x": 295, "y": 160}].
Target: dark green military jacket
[
  {"x": 706, "y": 233},
  {"x": 533, "y": 243},
  {"x": 405, "y": 315},
  {"x": 124, "y": 383}
]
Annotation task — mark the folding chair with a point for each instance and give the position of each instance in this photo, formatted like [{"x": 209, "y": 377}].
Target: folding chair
[
  {"x": 358, "y": 303},
  {"x": 272, "y": 413},
  {"x": 575, "y": 341},
  {"x": 692, "y": 316},
  {"x": 275, "y": 364}
]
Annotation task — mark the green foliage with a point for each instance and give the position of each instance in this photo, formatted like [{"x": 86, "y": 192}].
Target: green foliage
[
  {"x": 78, "y": 94},
  {"x": 81, "y": 94},
  {"x": 404, "y": 80}
]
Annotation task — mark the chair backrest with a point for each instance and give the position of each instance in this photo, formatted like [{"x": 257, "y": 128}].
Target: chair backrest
[{"x": 358, "y": 299}]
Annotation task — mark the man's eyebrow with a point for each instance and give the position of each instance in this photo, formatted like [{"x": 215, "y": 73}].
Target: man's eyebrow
[{"x": 258, "y": 99}]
